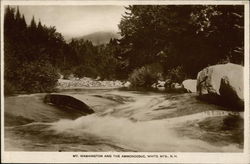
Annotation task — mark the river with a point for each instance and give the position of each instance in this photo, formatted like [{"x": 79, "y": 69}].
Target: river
[{"x": 123, "y": 121}]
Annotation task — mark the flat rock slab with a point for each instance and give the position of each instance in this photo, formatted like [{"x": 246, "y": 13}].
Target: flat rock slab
[{"x": 69, "y": 102}]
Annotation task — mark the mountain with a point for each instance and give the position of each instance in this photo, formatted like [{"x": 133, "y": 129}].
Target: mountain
[{"x": 98, "y": 38}]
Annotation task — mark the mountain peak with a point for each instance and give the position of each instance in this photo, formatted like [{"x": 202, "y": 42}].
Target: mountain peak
[{"x": 100, "y": 37}]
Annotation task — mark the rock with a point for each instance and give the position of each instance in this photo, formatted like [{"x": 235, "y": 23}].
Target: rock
[
  {"x": 127, "y": 84},
  {"x": 222, "y": 84},
  {"x": 189, "y": 85},
  {"x": 176, "y": 86},
  {"x": 154, "y": 85},
  {"x": 98, "y": 78},
  {"x": 71, "y": 77},
  {"x": 60, "y": 76},
  {"x": 88, "y": 82},
  {"x": 160, "y": 84},
  {"x": 168, "y": 83},
  {"x": 65, "y": 101},
  {"x": 171, "y": 86}
]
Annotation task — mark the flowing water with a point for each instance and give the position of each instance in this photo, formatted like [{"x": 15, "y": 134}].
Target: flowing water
[{"x": 123, "y": 121}]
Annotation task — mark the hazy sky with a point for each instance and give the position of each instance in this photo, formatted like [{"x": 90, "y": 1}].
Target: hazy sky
[{"x": 74, "y": 21}]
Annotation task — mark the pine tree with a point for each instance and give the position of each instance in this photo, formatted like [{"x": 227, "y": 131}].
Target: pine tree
[
  {"x": 17, "y": 16},
  {"x": 33, "y": 25},
  {"x": 197, "y": 34},
  {"x": 39, "y": 26},
  {"x": 9, "y": 21},
  {"x": 26, "y": 65},
  {"x": 23, "y": 22}
]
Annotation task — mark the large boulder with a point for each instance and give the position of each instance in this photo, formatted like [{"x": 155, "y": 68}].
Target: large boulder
[
  {"x": 190, "y": 85},
  {"x": 69, "y": 102},
  {"x": 223, "y": 84}
]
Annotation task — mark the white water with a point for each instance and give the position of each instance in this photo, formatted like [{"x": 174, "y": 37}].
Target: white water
[
  {"x": 137, "y": 122},
  {"x": 156, "y": 135}
]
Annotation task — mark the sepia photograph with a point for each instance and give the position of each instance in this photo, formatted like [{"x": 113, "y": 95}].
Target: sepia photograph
[{"x": 124, "y": 78}]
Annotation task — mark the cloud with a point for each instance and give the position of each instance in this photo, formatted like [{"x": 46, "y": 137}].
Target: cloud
[{"x": 76, "y": 20}]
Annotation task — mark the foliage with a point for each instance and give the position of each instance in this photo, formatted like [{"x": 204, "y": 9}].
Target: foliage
[
  {"x": 9, "y": 88},
  {"x": 65, "y": 74},
  {"x": 95, "y": 61},
  {"x": 182, "y": 39},
  {"x": 110, "y": 63},
  {"x": 178, "y": 35},
  {"x": 85, "y": 71},
  {"x": 145, "y": 76},
  {"x": 35, "y": 77},
  {"x": 31, "y": 54},
  {"x": 26, "y": 46},
  {"x": 38, "y": 77},
  {"x": 176, "y": 74}
]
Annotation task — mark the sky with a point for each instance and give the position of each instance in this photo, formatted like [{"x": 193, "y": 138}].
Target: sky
[{"x": 73, "y": 21}]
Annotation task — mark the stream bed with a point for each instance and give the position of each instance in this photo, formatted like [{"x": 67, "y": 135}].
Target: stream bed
[{"x": 123, "y": 121}]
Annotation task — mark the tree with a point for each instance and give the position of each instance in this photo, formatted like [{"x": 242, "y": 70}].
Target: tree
[
  {"x": 33, "y": 23},
  {"x": 178, "y": 35},
  {"x": 28, "y": 54}
]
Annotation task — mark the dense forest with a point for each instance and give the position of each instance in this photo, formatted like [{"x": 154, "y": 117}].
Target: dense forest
[{"x": 157, "y": 42}]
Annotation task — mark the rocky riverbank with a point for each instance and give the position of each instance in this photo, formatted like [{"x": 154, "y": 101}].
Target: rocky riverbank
[
  {"x": 220, "y": 84},
  {"x": 89, "y": 83}
]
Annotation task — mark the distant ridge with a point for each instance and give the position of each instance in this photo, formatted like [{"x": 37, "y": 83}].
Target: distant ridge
[{"x": 98, "y": 38}]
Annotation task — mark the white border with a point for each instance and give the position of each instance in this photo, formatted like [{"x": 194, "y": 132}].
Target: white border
[
  {"x": 66, "y": 157},
  {"x": 122, "y": 2}
]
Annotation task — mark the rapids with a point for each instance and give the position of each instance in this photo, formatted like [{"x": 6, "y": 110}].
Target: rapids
[{"x": 123, "y": 121}]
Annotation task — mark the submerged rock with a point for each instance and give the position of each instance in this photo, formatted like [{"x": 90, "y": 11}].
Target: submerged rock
[
  {"x": 223, "y": 84},
  {"x": 69, "y": 102},
  {"x": 190, "y": 85}
]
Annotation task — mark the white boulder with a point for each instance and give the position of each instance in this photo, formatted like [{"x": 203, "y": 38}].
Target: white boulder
[
  {"x": 224, "y": 82},
  {"x": 160, "y": 83},
  {"x": 190, "y": 85},
  {"x": 127, "y": 84}
]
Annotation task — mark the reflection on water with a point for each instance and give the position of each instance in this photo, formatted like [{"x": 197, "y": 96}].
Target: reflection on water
[{"x": 124, "y": 121}]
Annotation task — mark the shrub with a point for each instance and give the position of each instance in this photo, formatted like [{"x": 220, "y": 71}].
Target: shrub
[
  {"x": 145, "y": 76},
  {"x": 176, "y": 74},
  {"x": 66, "y": 73},
  {"x": 8, "y": 88},
  {"x": 108, "y": 67},
  {"x": 34, "y": 77},
  {"x": 85, "y": 71}
]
